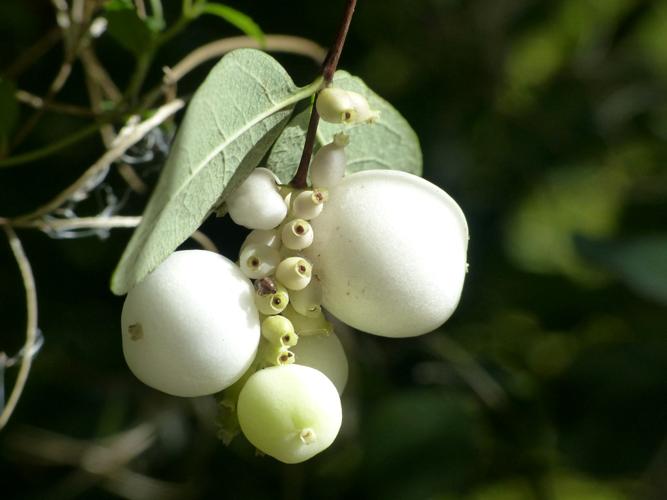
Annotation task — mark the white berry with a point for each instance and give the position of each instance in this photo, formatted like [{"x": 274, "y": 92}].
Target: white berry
[
  {"x": 324, "y": 353},
  {"x": 191, "y": 328},
  {"x": 257, "y": 203},
  {"x": 390, "y": 252}
]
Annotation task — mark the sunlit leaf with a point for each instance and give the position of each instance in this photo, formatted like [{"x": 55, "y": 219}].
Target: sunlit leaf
[
  {"x": 389, "y": 143},
  {"x": 232, "y": 120}
]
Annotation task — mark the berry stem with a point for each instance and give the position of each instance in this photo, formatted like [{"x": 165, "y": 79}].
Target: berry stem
[{"x": 328, "y": 70}]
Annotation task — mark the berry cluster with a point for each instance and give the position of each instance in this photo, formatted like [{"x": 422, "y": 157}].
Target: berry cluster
[{"x": 383, "y": 251}]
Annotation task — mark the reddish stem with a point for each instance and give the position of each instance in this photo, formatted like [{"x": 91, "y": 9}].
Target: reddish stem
[{"x": 328, "y": 69}]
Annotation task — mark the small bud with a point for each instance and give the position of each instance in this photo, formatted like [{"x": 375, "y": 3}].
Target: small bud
[
  {"x": 315, "y": 324},
  {"x": 268, "y": 237},
  {"x": 279, "y": 331},
  {"x": 258, "y": 261},
  {"x": 309, "y": 204},
  {"x": 336, "y": 105},
  {"x": 294, "y": 273},
  {"x": 307, "y": 302},
  {"x": 329, "y": 163},
  {"x": 278, "y": 355},
  {"x": 363, "y": 111},
  {"x": 272, "y": 303},
  {"x": 297, "y": 234}
]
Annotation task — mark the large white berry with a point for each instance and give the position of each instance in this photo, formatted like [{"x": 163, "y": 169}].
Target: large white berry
[
  {"x": 191, "y": 328},
  {"x": 257, "y": 203},
  {"x": 290, "y": 412},
  {"x": 324, "y": 353},
  {"x": 390, "y": 252}
]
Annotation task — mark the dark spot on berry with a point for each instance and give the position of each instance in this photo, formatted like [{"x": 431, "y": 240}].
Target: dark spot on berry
[{"x": 136, "y": 331}]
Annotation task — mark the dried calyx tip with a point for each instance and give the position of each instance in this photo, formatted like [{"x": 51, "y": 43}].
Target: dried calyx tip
[
  {"x": 307, "y": 436},
  {"x": 265, "y": 286},
  {"x": 341, "y": 139}
]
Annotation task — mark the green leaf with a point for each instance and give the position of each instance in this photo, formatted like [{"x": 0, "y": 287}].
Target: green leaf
[
  {"x": 583, "y": 200},
  {"x": 127, "y": 28},
  {"x": 235, "y": 18},
  {"x": 10, "y": 109},
  {"x": 232, "y": 120},
  {"x": 390, "y": 143},
  {"x": 640, "y": 263}
]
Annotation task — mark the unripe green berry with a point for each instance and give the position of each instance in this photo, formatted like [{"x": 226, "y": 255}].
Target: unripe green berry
[{"x": 290, "y": 412}]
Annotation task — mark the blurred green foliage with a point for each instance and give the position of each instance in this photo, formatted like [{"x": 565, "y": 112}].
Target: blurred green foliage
[{"x": 547, "y": 121}]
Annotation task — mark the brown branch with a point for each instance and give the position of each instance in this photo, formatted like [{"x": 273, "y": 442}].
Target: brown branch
[{"x": 328, "y": 70}]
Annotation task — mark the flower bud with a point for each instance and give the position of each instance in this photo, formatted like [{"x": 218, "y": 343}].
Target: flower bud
[
  {"x": 309, "y": 204},
  {"x": 279, "y": 331},
  {"x": 307, "y": 302},
  {"x": 272, "y": 303},
  {"x": 336, "y": 105},
  {"x": 363, "y": 112},
  {"x": 276, "y": 355},
  {"x": 268, "y": 237},
  {"x": 294, "y": 273},
  {"x": 329, "y": 163},
  {"x": 258, "y": 261},
  {"x": 297, "y": 234}
]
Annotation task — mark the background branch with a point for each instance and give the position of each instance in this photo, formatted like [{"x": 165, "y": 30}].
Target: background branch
[{"x": 31, "y": 323}]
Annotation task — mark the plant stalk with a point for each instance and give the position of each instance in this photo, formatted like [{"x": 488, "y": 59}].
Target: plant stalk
[{"x": 328, "y": 69}]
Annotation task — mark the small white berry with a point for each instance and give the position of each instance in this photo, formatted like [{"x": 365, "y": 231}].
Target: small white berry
[{"x": 257, "y": 203}]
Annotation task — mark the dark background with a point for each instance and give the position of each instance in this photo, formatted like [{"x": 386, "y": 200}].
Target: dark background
[{"x": 546, "y": 121}]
